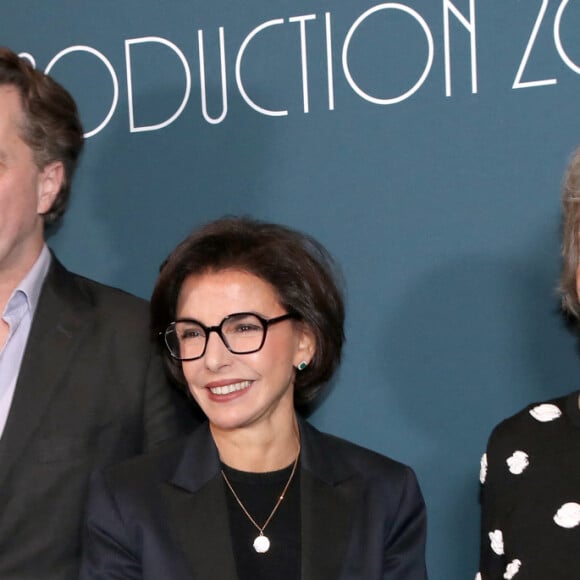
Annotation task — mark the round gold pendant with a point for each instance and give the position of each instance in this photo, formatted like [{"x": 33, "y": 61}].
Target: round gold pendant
[{"x": 261, "y": 544}]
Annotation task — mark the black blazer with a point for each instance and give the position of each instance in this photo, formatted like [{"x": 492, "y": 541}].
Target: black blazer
[
  {"x": 91, "y": 391},
  {"x": 165, "y": 515}
]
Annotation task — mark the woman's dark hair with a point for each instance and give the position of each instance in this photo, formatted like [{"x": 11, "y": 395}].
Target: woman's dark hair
[{"x": 298, "y": 267}]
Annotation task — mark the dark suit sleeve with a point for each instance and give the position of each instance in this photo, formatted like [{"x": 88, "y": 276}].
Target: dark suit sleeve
[
  {"x": 167, "y": 412},
  {"x": 405, "y": 539},
  {"x": 107, "y": 547}
]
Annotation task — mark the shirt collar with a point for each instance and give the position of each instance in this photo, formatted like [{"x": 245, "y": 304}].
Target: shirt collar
[{"x": 31, "y": 284}]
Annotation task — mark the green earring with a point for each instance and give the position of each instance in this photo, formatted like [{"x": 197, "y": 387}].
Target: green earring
[{"x": 302, "y": 365}]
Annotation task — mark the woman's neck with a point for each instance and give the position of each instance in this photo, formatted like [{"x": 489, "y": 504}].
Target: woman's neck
[{"x": 260, "y": 448}]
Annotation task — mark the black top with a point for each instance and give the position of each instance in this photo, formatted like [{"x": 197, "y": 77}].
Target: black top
[
  {"x": 531, "y": 495},
  {"x": 259, "y": 493}
]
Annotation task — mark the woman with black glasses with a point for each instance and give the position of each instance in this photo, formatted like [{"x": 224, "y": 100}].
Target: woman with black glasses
[{"x": 252, "y": 319}]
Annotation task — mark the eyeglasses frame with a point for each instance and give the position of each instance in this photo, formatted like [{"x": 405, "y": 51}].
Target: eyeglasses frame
[{"x": 266, "y": 323}]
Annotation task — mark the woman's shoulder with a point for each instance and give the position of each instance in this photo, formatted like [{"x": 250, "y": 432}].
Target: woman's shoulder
[
  {"x": 537, "y": 422},
  {"x": 539, "y": 412},
  {"x": 344, "y": 454}
]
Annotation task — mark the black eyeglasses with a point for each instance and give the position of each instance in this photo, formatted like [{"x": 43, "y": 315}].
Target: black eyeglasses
[{"x": 242, "y": 333}]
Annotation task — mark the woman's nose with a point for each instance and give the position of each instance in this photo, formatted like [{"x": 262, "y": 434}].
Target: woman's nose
[{"x": 216, "y": 353}]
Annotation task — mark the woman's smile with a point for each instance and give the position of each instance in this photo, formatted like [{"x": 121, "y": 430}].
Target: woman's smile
[{"x": 226, "y": 388}]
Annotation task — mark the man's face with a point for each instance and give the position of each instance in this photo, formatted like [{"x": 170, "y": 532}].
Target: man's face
[{"x": 26, "y": 192}]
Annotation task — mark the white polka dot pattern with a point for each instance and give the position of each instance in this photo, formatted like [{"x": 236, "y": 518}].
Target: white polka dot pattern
[
  {"x": 518, "y": 462},
  {"x": 568, "y": 516},
  {"x": 530, "y": 494},
  {"x": 496, "y": 541},
  {"x": 512, "y": 569},
  {"x": 545, "y": 412},
  {"x": 483, "y": 468}
]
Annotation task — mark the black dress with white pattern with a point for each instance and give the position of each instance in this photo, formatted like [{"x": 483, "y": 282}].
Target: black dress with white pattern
[{"x": 530, "y": 495}]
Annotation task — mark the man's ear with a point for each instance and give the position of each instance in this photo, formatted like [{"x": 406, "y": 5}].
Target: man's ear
[{"x": 50, "y": 181}]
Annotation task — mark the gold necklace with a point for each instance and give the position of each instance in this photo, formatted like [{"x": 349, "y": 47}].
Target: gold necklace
[{"x": 262, "y": 542}]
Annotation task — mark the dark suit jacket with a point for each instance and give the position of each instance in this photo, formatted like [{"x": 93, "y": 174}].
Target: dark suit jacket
[
  {"x": 165, "y": 516},
  {"x": 91, "y": 391}
]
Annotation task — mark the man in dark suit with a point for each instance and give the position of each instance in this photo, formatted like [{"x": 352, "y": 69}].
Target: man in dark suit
[{"x": 81, "y": 383}]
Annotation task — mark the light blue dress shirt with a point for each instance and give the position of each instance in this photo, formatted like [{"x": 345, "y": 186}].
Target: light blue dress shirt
[{"x": 18, "y": 315}]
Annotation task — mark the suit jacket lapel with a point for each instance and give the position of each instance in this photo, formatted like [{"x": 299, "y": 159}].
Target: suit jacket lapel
[
  {"x": 199, "y": 517},
  {"x": 60, "y": 316},
  {"x": 198, "y": 511},
  {"x": 329, "y": 494}
]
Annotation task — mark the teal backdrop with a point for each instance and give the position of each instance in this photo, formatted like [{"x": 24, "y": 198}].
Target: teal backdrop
[{"x": 423, "y": 142}]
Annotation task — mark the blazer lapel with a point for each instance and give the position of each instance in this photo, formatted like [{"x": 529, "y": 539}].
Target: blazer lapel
[
  {"x": 60, "y": 316},
  {"x": 329, "y": 494},
  {"x": 198, "y": 511}
]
